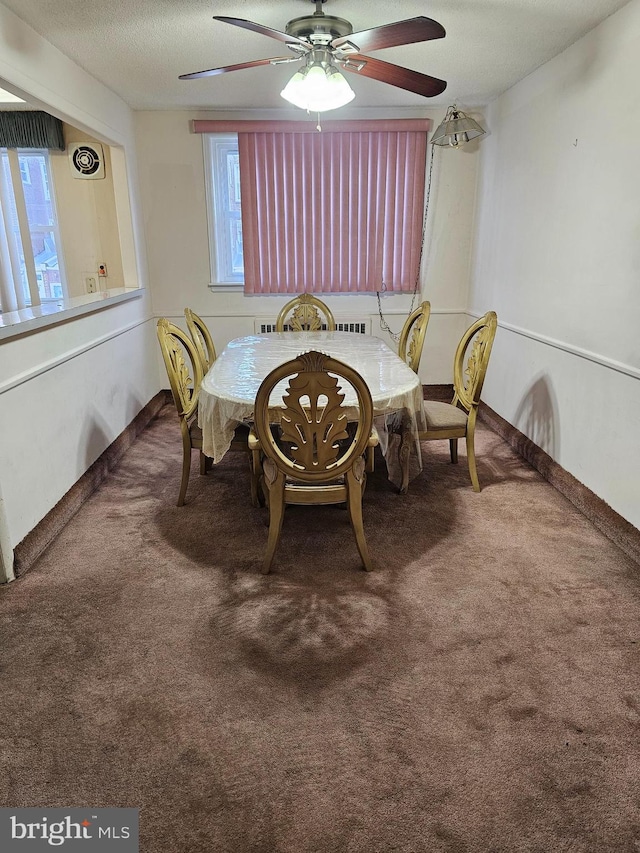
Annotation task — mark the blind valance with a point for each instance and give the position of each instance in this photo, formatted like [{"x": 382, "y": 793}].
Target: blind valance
[
  {"x": 422, "y": 125},
  {"x": 30, "y": 129}
]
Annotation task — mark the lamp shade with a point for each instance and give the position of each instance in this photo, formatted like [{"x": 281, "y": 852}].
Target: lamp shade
[
  {"x": 456, "y": 129},
  {"x": 318, "y": 88}
]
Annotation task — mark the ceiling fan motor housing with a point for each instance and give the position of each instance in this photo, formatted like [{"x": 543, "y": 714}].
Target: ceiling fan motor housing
[{"x": 319, "y": 29}]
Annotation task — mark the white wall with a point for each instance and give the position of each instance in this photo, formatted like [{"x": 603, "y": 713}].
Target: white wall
[
  {"x": 173, "y": 202},
  {"x": 87, "y": 220},
  {"x": 557, "y": 256},
  {"x": 87, "y": 380},
  {"x": 68, "y": 390}
]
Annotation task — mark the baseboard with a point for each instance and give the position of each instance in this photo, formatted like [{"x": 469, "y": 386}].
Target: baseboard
[
  {"x": 599, "y": 513},
  {"x": 34, "y": 543}
]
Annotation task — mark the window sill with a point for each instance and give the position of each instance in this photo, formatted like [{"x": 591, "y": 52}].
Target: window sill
[
  {"x": 15, "y": 323},
  {"x": 226, "y": 285}
]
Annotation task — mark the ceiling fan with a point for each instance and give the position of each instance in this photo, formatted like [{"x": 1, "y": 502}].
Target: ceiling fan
[{"x": 326, "y": 44}]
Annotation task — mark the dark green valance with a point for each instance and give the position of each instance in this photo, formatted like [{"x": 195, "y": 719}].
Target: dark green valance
[{"x": 30, "y": 129}]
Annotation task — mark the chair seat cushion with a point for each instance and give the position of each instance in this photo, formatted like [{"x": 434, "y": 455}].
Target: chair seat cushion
[{"x": 444, "y": 415}]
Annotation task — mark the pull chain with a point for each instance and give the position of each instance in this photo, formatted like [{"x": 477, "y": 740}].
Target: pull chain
[{"x": 395, "y": 336}]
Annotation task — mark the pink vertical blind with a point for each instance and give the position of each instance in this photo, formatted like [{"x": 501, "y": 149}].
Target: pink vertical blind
[{"x": 332, "y": 212}]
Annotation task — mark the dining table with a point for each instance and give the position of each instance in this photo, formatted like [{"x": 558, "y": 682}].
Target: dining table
[{"x": 228, "y": 390}]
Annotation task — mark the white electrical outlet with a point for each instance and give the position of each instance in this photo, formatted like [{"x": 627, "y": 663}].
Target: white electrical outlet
[{"x": 91, "y": 283}]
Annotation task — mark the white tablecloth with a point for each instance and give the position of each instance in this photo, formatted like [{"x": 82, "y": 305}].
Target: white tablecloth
[{"x": 229, "y": 389}]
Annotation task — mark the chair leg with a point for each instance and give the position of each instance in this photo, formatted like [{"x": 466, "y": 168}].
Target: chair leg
[
  {"x": 354, "y": 502},
  {"x": 257, "y": 499},
  {"x": 276, "y": 516},
  {"x": 471, "y": 457},
  {"x": 203, "y": 464},
  {"x": 453, "y": 449},
  {"x": 370, "y": 460},
  {"x": 186, "y": 466},
  {"x": 404, "y": 454}
]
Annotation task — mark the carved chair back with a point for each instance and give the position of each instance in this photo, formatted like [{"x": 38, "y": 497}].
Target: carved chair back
[
  {"x": 468, "y": 378},
  {"x": 303, "y": 314},
  {"x": 413, "y": 334},
  {"x": 313, "y": 442},
  {"x": 183, "y": 367},
  {"x": 201, "y": 338}
]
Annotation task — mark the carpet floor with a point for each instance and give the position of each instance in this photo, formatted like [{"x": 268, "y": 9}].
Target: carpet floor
[{"x": 480, "y": 691}]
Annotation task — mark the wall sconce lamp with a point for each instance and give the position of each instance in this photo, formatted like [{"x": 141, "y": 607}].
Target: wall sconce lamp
[{"x": 456, "y": 129}]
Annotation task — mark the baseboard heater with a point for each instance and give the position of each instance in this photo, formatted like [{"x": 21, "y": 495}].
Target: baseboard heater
[{"x": 264, "y": 326}]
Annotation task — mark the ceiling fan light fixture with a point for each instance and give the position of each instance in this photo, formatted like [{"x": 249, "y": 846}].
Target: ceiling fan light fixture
[
  {"x": 294, "y": 90},
  {"x": 317, "y": 88},
  {"x": 456, "y": 129}
]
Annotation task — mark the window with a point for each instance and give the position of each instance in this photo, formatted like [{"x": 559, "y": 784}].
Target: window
[
  {"x": 44, "y": 178},
  {"x": 293, "y": 210},
  {"x": 24, "y": 171},
  {"x": 224, "y": 211},
  {"x": 30, "y": 264}
]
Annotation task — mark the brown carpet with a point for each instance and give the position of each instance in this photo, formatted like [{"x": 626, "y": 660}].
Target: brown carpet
[{"x": 479, "y": 692}]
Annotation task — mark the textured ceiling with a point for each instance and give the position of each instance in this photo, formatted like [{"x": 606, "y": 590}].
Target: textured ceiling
[{"x": 139, "y": 47}]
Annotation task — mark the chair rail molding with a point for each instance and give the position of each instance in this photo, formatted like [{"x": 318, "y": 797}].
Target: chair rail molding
[
  {"x": 45, "y": 366},
  {"x": 612, "y": 364}
]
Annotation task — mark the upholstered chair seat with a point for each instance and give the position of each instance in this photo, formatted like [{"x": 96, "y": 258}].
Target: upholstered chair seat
[{"x": 444, "y": 416}]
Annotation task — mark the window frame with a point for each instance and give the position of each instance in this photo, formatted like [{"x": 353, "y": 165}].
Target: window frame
[
  {"x": 217, "y": 209},
  {"x": 15, "y": 158}
]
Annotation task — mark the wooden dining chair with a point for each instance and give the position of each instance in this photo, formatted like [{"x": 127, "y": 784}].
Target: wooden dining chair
[
  {"x": 303, "y": 314},
  {"x": 184, "y": 369},
  {"x": 413, "y": 334},
  {"x": 202, "y": 339},
  {"x": 314, "y": 455},
  {"x": 457, "y": 419}
]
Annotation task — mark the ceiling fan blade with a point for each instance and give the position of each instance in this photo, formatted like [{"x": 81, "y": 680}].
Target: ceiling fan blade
[
  {"x": 395, "y": 75},
  {"x": 391, "y": 35},
  {"x": 213, "y": 71},
  {"x": 260, "y": 28}
]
